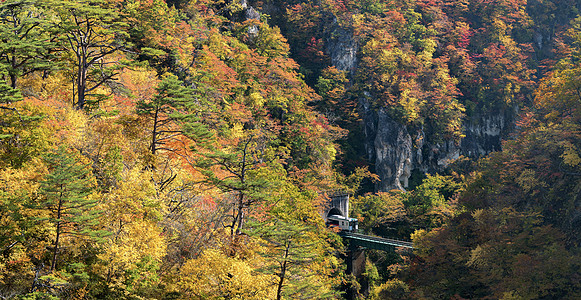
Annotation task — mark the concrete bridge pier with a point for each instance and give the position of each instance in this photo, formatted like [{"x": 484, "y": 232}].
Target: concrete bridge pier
[
  {"x": 356, "y": 257},
  {"x": 355, "y": 260}
]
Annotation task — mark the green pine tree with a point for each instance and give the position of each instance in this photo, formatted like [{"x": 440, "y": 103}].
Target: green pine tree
[
  {"x": 244, "y": 183},
  {"x": 66, "y": 190},
  {"x": 292, "y": 252},
  {"x": 27, "y": 45},
  {"x": 8, "y": 95},
  {"x": 91, "y": 32},
  {"x": 162, "y": 109}
]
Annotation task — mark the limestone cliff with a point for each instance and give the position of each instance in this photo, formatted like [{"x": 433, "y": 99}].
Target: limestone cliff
[
  {"x": 342, "y": 48},
  {"x": 394, "y": 150}
]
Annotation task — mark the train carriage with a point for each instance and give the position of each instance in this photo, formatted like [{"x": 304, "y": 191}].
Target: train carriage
[{"x": 343, "y": 223}]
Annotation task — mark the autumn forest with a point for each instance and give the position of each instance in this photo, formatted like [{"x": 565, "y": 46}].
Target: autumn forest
[{"x": 188, "y": 149}]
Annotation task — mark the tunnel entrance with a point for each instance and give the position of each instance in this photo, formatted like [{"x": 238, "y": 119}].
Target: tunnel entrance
[{"x": 334, "y": 211}]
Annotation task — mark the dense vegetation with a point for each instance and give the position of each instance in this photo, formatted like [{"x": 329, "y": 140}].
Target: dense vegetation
[{"x": 182, "y": 149}]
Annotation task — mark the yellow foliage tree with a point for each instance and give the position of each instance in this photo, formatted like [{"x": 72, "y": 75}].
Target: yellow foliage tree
[
  {"x": 215, "y": 275},
  {"x": 133, "y": 252}
]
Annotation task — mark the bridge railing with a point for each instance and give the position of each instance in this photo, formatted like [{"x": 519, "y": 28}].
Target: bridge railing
[{"x": 373, "y": 242}]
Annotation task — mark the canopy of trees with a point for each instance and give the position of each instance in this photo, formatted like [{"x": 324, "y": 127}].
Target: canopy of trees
[{"x": 181, "y": 149}]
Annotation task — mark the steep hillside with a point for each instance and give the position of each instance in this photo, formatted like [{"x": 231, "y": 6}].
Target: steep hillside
[
  {"x": 187, "y": 149},
  {"x": 429, "y": 81}
]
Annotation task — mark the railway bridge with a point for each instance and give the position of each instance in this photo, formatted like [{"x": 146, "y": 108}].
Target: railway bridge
[
  {"x": 373, "y": 242},
  {"x": 337, "y": 207},
  {"x": 335, "y": 212}
]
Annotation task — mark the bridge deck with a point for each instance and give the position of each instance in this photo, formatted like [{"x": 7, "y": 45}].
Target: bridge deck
[{"x": 373, "y": 242}]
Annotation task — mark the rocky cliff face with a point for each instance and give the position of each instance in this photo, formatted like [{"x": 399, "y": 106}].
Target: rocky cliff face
[
  {"x": 342, "y": 48},
  {"x": 395, "y": 150}
]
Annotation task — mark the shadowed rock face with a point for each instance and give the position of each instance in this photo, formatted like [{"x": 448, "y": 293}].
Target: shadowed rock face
[
  {"x": 342, "y": 49},
  {"x": 250, "y": 13},
  {"x": 393, "y": 153},
  {"x": 483, "y": 133},
  {"x": 395, "y": 150}
]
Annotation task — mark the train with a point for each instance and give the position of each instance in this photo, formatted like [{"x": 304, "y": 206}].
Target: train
[{"x": 343, "y": 223}]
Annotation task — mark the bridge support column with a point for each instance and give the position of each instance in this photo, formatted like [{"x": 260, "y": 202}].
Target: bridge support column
[
  {"x": 356, "y": 260},
  {"x": 356, "y": 266}
]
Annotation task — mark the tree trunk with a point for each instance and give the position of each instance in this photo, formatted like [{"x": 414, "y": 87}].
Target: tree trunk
[
  {"x": 282, "y": 273},
  {"x": 240, "y": 213},
  {"x": 56, "y": 246},
  {"x": 58, "y": 234},
  {"x": 13, "y": 77},
  {"x": 82, "y": 51},
  {"x": 154, "y": 132},
  {"x": 81, "y": 85}
]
